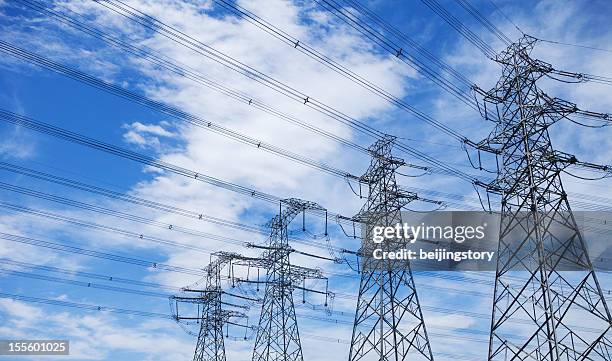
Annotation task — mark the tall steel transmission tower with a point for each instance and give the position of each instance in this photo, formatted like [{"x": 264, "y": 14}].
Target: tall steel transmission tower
[
  {"x": 539, "y": 236},
  {"x": 211, "y": 314},
  {"x": 277, "y": 334},
  {"x": 278, "y": 337},
  {"x": 388, "y": 321}
]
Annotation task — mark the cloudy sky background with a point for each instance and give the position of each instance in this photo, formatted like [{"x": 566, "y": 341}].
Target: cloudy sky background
[{"x": 45, "y": 96}]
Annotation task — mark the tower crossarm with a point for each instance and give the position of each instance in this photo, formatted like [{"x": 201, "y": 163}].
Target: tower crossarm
[{"x": 570, "y": 159}]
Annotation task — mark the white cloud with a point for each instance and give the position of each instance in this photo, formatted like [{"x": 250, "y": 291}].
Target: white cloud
[
  {"x": 222, "y": 158},
  {"x": 217, "y": 156},
  {"x": 146, "y": 135},
  {"x": 95, "y": 336}
]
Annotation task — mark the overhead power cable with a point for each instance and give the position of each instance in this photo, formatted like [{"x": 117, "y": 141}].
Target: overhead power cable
[
  {"x": 173, "y": 66},
  {"x": 73, "y": 137},
  {"x": 68, "y": 272},
  {"x": 575, "y": 45},
  {"x": 191, "y": 271},
  {"x": 482, "y": 19},
  {"x": 169, "y": 110},
  {"x": 503, "y": 13},
  {"x": 161, "y": 295},
  {"x": 92, "y": 285},
  {"x": 121, "y": 92},
  {"x": 133, "y": 218},
  {"x": 101, "y": 255},
  {"x": 99, "y": 308},
  {"x": 126, "y": 197},
  {"x": 152, "y": 294},
  {"x": 187, "y": 41},
  {"x": 461, "y": 28},
  {"x": 84, "y": 306},
  {"x": 408, "y": 42},
  {"x": 402, "y": 51},
  {"x": 100, "y": 227},
  {"x": 29, "y": 123},
  {"x": 351, "y": 75},
  {"x": 90, "y": 307},
  {"x": 112, "y": 213}
]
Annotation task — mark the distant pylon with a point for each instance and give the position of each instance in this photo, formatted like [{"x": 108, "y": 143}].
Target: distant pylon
[
  {"x": 278, "y": 337},
  {"x": 388, "y": 321},
  {"x": 211, "y": 315},
  {"x": 536, "y": 297},
  {"x": 210, "y": 346}
]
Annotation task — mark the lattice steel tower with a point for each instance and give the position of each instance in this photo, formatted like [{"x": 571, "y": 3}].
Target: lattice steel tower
[
  {"x": 388, "y": 321},
  {"x": 539, "y": 238},
  {"x": 277, "y": 337},
  {"x": 211, "y": 317}
]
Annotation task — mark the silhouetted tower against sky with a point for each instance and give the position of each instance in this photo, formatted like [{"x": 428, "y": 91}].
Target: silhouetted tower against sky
[
  {"x": 540, "y": 238},
  {"x": 388, "y": 321},
  {"x": 277, "y": 337}
]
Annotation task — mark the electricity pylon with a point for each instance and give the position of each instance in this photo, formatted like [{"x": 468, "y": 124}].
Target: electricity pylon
[
  {"x": 388, "y": 320},
  {"x": 277, "y": 334},
  {"x": 210, "y": 345},
  {"x": 539, "y": 236},
  {"x": 278, "y": 337}
]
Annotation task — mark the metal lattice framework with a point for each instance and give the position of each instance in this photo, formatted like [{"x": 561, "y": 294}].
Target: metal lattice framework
[
  {"x": 210, "y": 345},
  {"x": 539, "y": 235},
  {"x": 277, "y": 334},
  {"x": 388, "y": 320},
  {"x": 278, "y": 337}
]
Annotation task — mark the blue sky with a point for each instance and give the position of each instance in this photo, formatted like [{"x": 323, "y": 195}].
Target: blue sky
[{"x": 63, "y": 102}]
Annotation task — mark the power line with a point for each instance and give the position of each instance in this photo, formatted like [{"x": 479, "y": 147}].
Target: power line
[
  {"x": 411, "y": 43},
  {"x": 575, "y": 45},
  {"x": 187, "y": 41},
  {"x": 129, "y": 217},
  {"x": 150, "y": 161},
  {"x": 482, "y": 19},
  {"x": 115, "y": 279},
  {"x": 89, "y": 307},
  {"x": 123, "y": 93},
  {"x": 100, "y": 227},
  {"x": 90, "y": 285},
  {"x": 83, "y": 306},
  {"x": 349, "y": 74},
  {"x": 137, "y": 201},
  {"x": 101, "y": 255},
  {"x": 228, "y": 62},
  {"x": 126, "y": 197},
  {"x": 503, "y": 13},
  {"x": 114, "y": 213},
  {"x": 174, "y": 67},
  {"x": 169, "y": 110},
  {"x": 462, "y": 29},
  {"x": 171, "y": 268},
  {"x": 51, "y": 269}
]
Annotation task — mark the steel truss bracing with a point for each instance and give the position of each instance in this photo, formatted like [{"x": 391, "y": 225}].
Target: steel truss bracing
[
  {"x": 212, "y": 317},
  {"x": 277, "y": 337},
  {"x": 210, "y": 339},
  {"x": 388, "y": 321},
  {"x": 539, "y": 235}
]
